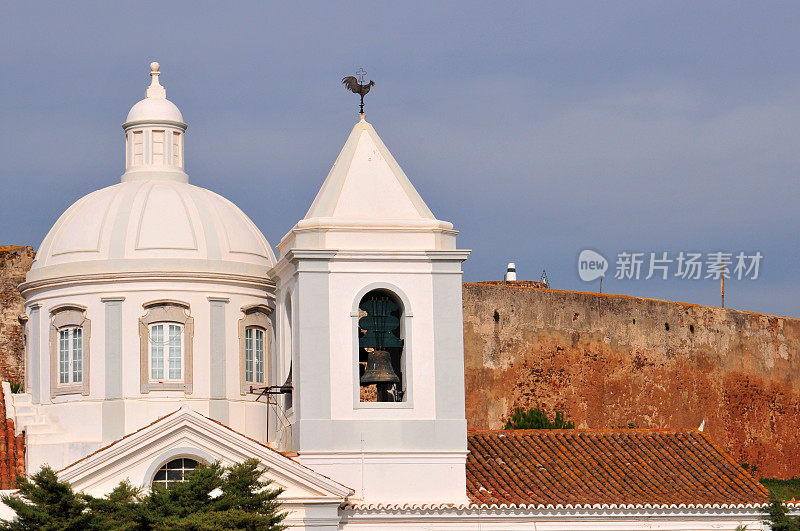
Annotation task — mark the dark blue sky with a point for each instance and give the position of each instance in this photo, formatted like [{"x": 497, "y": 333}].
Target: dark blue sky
[{"x": 537, "y": 129}]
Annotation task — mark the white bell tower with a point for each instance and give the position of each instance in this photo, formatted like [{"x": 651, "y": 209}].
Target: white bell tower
[{"x": 369, "y": 241}]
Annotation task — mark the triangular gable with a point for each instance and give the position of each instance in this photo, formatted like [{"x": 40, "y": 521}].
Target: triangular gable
[
  {"x": 366, "y": 182},
  {"x": 186, "y": 433}
]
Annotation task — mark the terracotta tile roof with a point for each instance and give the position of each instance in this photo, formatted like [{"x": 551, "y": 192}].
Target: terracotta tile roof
[
  {"x": 12, "y": 450},
  {"x": 589, "y": 467}
]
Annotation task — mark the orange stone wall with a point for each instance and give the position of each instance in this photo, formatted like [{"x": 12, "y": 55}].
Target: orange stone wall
[
  {"x": 14, "y": 264},
  {"x": 15, "y": 261},
  {"x": 610, "y": 361}
]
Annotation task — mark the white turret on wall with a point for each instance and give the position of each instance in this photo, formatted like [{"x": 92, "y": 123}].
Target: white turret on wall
[
  {"x": 370, "y": 251},
  {"x": 511, "y": 272},
  {"x": 144, "y": 296}
]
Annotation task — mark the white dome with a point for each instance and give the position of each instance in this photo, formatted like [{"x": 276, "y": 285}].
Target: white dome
[
  {"x": 154, "y": 110},
  {"x": 152, "y": 225}
]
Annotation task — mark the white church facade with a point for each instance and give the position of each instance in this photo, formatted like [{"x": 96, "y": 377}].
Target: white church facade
[{"x": 162, "y": 331}]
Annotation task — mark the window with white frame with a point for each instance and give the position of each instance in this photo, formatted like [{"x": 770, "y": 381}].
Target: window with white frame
[
  {"x": 70, "y": 355},
  {"x": 166, "y": 334},
  {"x": 70, "y": 338},
  {"x": 166, "y": 352},
  {"x": 255, "y": 346},
  {"x": 254, "y": 354}
]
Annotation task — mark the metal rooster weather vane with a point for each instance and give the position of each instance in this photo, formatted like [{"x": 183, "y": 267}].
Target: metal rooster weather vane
[{"x": 357, "y": 85}]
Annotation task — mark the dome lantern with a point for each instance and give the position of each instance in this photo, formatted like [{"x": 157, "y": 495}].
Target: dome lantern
[{"x": 154, "y": 131}]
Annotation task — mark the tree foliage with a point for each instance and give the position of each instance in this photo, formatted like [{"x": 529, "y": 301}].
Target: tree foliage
[
  {"x": 778, "y": 517},
  {"x": 213, "y": 497},
  {"x": 783, "y": 489},
  {"x": 45, "y": 503},
  {"x": 536, "y": 419}
]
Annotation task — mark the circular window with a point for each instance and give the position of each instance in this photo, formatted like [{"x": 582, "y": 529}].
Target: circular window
[{"x": 175, "y": 471}]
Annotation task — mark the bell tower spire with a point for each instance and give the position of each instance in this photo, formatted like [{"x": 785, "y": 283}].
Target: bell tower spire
[
  {"x": 370, "y": 325},
  {"x": 154, "y": 131}
]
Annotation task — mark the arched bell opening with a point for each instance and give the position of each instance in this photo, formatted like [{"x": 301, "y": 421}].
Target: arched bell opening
[
  {"x": 381, "y": 371},
  {"x": 288, "y": 354}
]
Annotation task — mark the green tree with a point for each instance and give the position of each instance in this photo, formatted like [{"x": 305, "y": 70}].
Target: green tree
[
  {"x": 213, "y": 497},
  {"x": 118, "y": 510},
  {"x": 778, "y": 517},
  {"x": 536, "y": 419},
  {"x": 783, "y": 489},
  {"x": 45, "y": 503}
]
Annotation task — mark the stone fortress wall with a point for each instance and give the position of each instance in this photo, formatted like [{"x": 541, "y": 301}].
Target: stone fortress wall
[
  {"x": 15, "y": 260},
  {"x": 618, "y": 361},
  {"x": 605, "y": 360}
]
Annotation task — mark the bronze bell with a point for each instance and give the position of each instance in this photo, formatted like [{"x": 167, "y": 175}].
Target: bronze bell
[{"x": 379, "y": 369}]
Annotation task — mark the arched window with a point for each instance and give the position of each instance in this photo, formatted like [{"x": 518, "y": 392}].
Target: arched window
[
  {"x": 255, "y": 341},
  {"x": 166, "y": 334},
  {"x": 166, "y": 352},
  {"x": 174, "y": 471},
  {"x": 288, "y": 354},
  {"x": 70, "y": 332},
  {"x": 380, "y": 348}
]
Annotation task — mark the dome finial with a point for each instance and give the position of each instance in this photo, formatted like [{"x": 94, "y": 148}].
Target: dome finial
[{"x": 155, "y": 90}]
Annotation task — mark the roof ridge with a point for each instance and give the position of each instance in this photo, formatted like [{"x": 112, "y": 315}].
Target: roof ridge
[
  {"x": 112, "y": 443},
  {"x": 283, "y": 454}
]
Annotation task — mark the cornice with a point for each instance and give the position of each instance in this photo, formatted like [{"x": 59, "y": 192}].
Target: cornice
[
  {"x": 310, "y": 254},
  {"x": 292, "y": 256},
  {"x": 557, "y": 512},
  {"x": 154, "y": 123},
  {"x": 105, "y": 278},
  {"x": 366, "y": 226},
  {"x": 454, "y": 254},
  {"x": 373, "y": 254}
]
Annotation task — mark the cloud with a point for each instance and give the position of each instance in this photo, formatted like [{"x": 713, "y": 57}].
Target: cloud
[{"x": 538, "y": 130}]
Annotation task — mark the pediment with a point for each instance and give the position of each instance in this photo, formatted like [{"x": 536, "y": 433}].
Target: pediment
[{"x": 186, "y": 433}]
